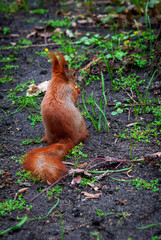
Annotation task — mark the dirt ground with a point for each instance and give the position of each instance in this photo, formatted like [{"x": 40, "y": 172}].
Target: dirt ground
[{"x": 130, "y": 207}]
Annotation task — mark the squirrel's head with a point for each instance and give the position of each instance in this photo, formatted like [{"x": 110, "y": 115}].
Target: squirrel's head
[{"x": 60, "y": 66}]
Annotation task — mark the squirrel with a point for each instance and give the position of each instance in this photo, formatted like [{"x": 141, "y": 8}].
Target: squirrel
[{"x": 64, "y": 125}]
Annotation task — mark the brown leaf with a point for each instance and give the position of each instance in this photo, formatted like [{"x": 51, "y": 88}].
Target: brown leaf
[
  {"x": 76, "y": 180},
  {"x": 153, "y": 158},
  {"x": 36, "y": 90},
  {"x": 92, "y": 186},
  {"x": 122, "y": 202},
  {"x": 22, "y": 190},
  {"x": 83, "y": 165},
  {"x": 91, "y": 195},
  {"x": 74, "y": 24}
]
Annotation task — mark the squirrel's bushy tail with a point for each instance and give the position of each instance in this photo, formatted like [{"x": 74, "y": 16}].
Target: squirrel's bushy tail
[{"x": 46, "y": 162}]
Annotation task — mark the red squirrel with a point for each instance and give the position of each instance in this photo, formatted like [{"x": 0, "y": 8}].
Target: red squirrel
[{"x": 64, "y": 124}]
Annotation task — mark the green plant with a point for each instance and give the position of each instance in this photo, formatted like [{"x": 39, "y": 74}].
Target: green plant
[
  {"x": 89, "y": 39},
  {"x": 58, "y": 23},
  {"x": 144, "y": 101},
  {"x": 156, "y": 237},
  {"x": 96, "y": 120},
  {"x": 77, "y": 152},
  {"x": 90, "y": 78},
  {"x": 23, "y": 101},
  {"x": 97, "y": 234},
  {"x": 9, "y": 67},
  {"x": 14, "y": 48},
  {"x": 54, "y": 190},
  {"x": 6, "y": 30},
  {"x": 13, "y": 6},
  {"x": 10, "y": 205},
  {"x": 26, "y": 142},
  {"x": 151, "y": 225},
  {"x": 140, "y": 184},
  {"x": 123, "y": 215},
  {"x": 43, "y": 53},
  {"x": 26, "y": 176},
  {"x": 139, "y": 60},
  {"x": 142, "y": 134},
  {"x": 108, "y": 67},
  {"x": 25, "y": 218},
  {"x": 39, "y": 11},
  {"x": 5, "y": 79},
  {"x": 85, "y": 181},
  {"x": 118, "y": 108},
  {"x": 127, "y": 82},
  {"x": 34, "y": 119},
  {"x": 24, "y": 41},
  {"x": 18, "y": 159},
  {"x": 10, "y": 58},
  {"x": 66, "y": 44}
]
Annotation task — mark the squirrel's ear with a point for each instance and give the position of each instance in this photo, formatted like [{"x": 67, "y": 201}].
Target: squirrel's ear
[
  {"x": 65, "y": 66},
  {"x": 66, "y": 69},
  {"x": 54, "y": 60}
]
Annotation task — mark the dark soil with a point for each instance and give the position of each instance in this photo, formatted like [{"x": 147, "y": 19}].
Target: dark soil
[{"x": 79, "y": 214}]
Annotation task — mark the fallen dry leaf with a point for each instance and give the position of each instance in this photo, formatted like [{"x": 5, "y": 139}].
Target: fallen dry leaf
[
  {"x": 91, "y": 195},
  {"x": 122, "y": 202},
  {"x": 22, "y": 190},
  {"x": 77, "y": 33},
  {"x": 83, "y": 165},
  {"x": 153, "y": 158},
  {"x": 41, "y": 31},
  {"x": 74, "y": 24},
  {"x": 92, "y": 186},
  {"x": 36, "y": 90},
  {"x": 76, "y": 180},
  {"x": 69, "y": 33}
]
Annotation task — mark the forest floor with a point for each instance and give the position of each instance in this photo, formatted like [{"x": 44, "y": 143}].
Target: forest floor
[{"x": 120, "y": 198}]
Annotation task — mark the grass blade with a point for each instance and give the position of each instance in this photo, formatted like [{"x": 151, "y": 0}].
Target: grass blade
[{"x": 106, "y": 122}]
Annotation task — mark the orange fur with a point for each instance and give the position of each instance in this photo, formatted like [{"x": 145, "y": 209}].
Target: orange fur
[{"x": 64, "y": 125}]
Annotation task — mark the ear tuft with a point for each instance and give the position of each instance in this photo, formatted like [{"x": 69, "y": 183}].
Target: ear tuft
[{"x": 54, "y": 60}]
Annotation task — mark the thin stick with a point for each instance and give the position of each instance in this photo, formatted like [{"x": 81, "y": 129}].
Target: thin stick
[
  {"x": 46, "y": 189},
  {"x": 107, "y": 172}
]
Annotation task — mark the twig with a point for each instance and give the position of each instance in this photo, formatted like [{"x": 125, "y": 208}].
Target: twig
[
  {"x": 95, "y": 60},
  {"x": 42, "y": 45},
  {"x": 46, "y": 189},
  {"x": 131, "y": 97},
  {"x": 107, "y": 172}
]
